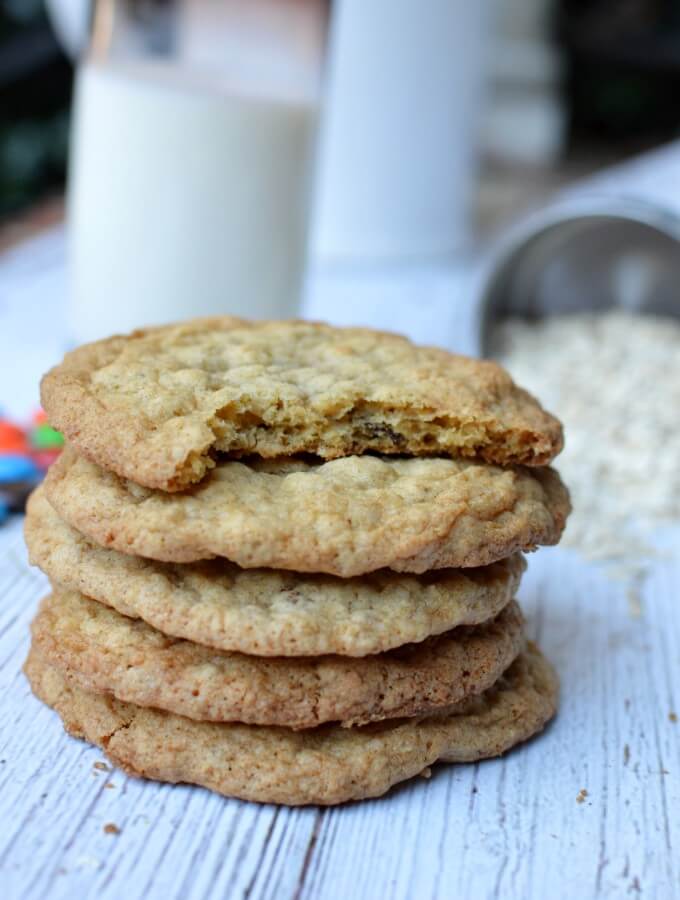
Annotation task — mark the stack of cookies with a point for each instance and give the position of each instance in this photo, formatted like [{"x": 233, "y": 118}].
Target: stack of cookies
[{"x": 284, "y": 557}]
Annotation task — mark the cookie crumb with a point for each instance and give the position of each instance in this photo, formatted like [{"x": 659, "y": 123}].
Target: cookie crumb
[
  {"x": 109, "y": 784},
  {"x": 673, "y": 717},
  {"x": 100, "y": 766},
  {"x": 426, "y": 773},
  {"x": 110, "y": 828},
  {"x": 634, "y": 603},
  {"x": 626, "y": 754},
  {"x": 581, "y": 796}
]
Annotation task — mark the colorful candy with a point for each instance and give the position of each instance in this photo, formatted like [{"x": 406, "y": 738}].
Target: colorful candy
[
  {"x": 44, "y": 458},
  {"x": 25, "y": 455},
  {"x": 12, "y": 439},
  {"x": 15, "y": 469},
  {"x": 44, "y": 437}
]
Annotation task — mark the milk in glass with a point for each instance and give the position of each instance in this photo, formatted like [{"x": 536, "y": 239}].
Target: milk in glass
[{"x": 190, "y": 174}]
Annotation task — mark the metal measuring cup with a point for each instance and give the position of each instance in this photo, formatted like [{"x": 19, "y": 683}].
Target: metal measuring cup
[{"x": 612, "y": 241}]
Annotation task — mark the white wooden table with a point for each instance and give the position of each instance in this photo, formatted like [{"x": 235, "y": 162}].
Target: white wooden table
[{"x": 589, "y": 809}]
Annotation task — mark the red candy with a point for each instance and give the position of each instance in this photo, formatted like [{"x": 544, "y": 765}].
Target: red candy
[
  {"x": 12, "y": 439},
  {"x": 44, "y": 458}
]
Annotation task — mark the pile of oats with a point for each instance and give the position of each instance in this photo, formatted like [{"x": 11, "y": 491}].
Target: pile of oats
[{"x": 614, "y": 380}]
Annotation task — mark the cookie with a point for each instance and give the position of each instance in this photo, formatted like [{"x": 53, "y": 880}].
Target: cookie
[
  {"x": 345, "y": 517},
  {"x": 156, "y": 405},
  {"x": 325, "y": 765},
  {"x": 105, "y": 652},
  {"x": 269, "y": 612}
]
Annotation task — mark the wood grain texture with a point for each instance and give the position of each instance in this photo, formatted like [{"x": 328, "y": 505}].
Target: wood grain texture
[
  {"x": 509, "y": 828},
  {"x": 503, "y": 828}
]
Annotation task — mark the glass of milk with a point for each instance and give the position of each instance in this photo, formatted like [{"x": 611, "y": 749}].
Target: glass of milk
[{"x": 192, "y": 150}]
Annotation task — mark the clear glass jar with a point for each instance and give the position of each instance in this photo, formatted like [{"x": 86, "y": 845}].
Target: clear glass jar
[{"x": 192, "y": 149}]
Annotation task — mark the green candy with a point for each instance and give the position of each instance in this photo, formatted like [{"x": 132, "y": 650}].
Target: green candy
[{"x": 44, "y": 437}]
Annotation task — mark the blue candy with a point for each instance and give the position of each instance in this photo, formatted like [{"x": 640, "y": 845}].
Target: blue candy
[{"x": 15, "y": 468}]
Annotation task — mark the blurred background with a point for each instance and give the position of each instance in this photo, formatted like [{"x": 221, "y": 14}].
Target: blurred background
[
  {"x": 571, "y": 85},
  {"x": 451, "y": 170},
  {"x": 334, "y": 159},
  {"x": 36, "y": 81}
]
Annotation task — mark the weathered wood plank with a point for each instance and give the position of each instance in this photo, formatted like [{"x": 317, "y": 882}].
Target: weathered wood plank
[
  {"x": 513, "y": 827},
  {"x": 54, "y": 804},
  {"x": 503, "y": 828}
]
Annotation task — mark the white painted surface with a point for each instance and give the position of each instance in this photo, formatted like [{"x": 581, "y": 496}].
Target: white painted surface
[{"x": 509, "y": 828}]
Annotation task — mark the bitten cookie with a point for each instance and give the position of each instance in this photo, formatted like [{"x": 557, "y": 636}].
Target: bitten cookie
[
  {"x": 155, "y": 405},
  {"x": 325, "y": 765},
  {"x": 345, "y": 517}
]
